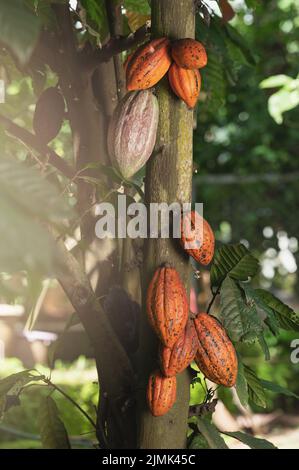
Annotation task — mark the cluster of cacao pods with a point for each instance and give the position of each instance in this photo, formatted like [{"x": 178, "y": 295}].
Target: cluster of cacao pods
[
  {"x": 183, "y": 338},
  {"x": 181, "y": 59}
]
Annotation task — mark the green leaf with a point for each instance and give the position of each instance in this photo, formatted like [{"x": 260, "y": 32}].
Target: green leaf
[
  {"x": 211, "y": 434},
  {"x": 25, "y": 199},
  {"x": 276, "y": 81},
  {"x": 241, "y": 384},
  {"x": 278, "y": 389},
  {"x": 139, "y": 6},
  {"x": 250, "y": 441},
  {"x": 256, "y": 391},
  {"x": 235, "y": 261},
  {"x": 241, "y": 321},
  {"x": 264, "y": 346},
  {"x": 52, "y": 430},
  {"x": 286, "y": 317},
  {"x": 13, "y": 384},
  {"x": 263, "y": 309},
  {"x": 282, "y": 101},
  {"x": 199, "y": 442},
  {"x": 240, "y": 42},
  {"x": 19, "y": 28}
]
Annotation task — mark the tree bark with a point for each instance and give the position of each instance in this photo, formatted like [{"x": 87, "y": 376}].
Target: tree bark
[{"x": 168, "y": 179}]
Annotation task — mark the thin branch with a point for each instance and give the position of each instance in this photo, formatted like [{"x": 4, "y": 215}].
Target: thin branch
[
  {"x": 213, "y": 298},
  {"x": 115, "y": 21},
  {"x": 33, "y": 142},
  {"x": 115, "y": 46},
  {"x": 70, "y": 399}
]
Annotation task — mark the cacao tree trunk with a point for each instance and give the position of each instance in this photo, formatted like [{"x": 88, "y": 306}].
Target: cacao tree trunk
[{"x": 168, "y": 179}]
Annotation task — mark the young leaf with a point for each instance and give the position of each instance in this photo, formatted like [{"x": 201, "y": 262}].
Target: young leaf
[
  {"x": 12, "y": 384},
  {"x": 52, "y": 430},
  {"x": 276, "y": 81},
  {"x": 241, "y": 321},
  {"x": 211, "y": 434},
  {"x": 250, "y": 441},
  {"x": 241, "y": 385},
  {"x": 278, "y": 389},
  {"x": 286, "y": 317},
  {"x": 235, "y": 261},
  {"x": 255, "y": 388}
]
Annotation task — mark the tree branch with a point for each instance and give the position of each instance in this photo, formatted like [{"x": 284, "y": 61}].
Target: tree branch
[
  {"x": 114, "y": 46},
  {"x": 43, "y": 150}
]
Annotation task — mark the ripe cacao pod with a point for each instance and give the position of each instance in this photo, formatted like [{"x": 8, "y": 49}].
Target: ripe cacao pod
[
  {"x": 189, "y": 54},
  {"x": 196, "y": 230},
  {"x": 216, "y": 356},
  {"x": 132, "y": 131},
  {"x": 185, "y": 83},
  {"x": 161, "y": 393},
  {"x": 176, "y": 359},
  {"x": 167, "y": 305},
  {"x": 148, "y": 65},
  {"x": 49, "y": 115}
]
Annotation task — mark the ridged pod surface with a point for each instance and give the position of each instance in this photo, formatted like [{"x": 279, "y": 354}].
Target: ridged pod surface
[
  {"x": 185, "y": 83},
  {"x": 196, "y": 230},
  {"x": 176, "y": 359},
  {"x": 48, "y": 115},
  {"x": 216, "y": 356},
  {"x": 132, "y": 131},
  {"x": 148, "y": 64},
  {"x": 189, "y": 54},
  {"x": 167, "y": 305},
  {"x": 161, "y": 393}
]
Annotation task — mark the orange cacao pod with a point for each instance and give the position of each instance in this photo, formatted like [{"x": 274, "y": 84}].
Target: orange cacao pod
[
  {"x": 148, "y": 65},
  {"x": 167, "y": 305},
  {"x": 161, "y": 393},
  {"x": 196, "y": 230},
  {"x": 185, "y": 83},
  {"x": 216, "y": 356},
  {"x": 176, "y": 359},
  {"x": 189, "y": 54}
]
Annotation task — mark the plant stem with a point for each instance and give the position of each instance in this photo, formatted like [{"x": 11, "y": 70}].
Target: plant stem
[{"x": 213, "y": 299}]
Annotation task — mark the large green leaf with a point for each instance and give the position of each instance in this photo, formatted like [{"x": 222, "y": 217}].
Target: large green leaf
[
  {"x": 256, "y": 391},
  {"x": 241, "y": 384},
  {"x": 26, "y": 199},
  {"x": 211, "y": 434},
  {"x": 12, "y": 385},
  {"x": 240, "y": 320},
  {"x": 19, "y": 28},
  {"x": 286, "y": 317},
  {"x": 235, "y": 261},
  {"x": 240, "y": 42},
  {"x": 278, "y": 389},
  {"x": 52, "y": 430},
  {"x": 250, "y": 441}
]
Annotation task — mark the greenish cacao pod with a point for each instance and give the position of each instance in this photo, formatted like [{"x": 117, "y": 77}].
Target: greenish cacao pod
[{"x": 132, "y": 132}]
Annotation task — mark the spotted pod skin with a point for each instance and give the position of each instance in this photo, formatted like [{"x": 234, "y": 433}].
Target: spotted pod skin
[
  {"x": 148, "y": 64},
  {"x": 176, "y": 359},
  {"x": 202, "y": 236},
  {"x": 189, "y": 54},
  {"x": 185, "y": 83},
  {"x": 132, "y": 131},
  {"x": 216, "y": 356},
  {"x": 167, "y": 305},
  {"x": 161, "y": 393}
]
